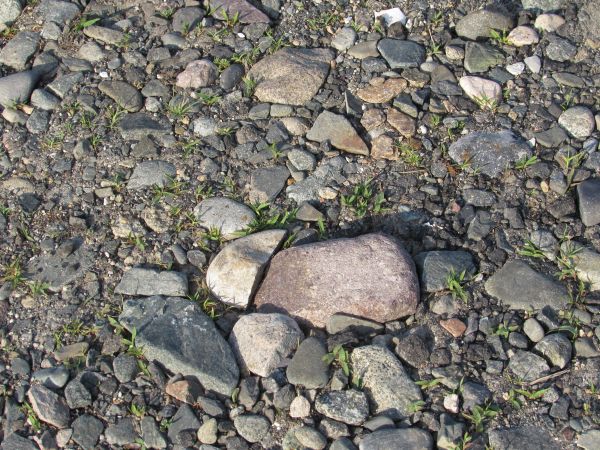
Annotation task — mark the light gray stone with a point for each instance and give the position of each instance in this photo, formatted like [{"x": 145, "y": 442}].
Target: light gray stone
[
  {"x": 436, "y": 266},
  {"x": 397, "y": 439},
  {"x": 224, "y": 214},
  {"x": 339, "y": 132},
  {"x": 140, "y": 281},
  {"x": 48, "y": 406},
  {"x": 151, "y": 173},
  {"x": 350, "y": 406}
]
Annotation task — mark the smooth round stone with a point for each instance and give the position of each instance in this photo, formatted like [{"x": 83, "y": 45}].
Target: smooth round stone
[
  {"x": 343, "y": 39},
  {"x": 53, "y": 378},
  {"x": 549, "y": 22},
  {"x": 522, "y": 36},
  {"x": 578, "y": 121},
  {"x": 533, "y": 330},
  {"x": 227, "y": 215},
  {"x": 311, "y": 438},
  {"x": 231, "y": 76}
]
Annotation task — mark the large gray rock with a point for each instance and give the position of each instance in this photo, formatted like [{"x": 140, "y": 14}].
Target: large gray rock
[
  {"x": 236, "y": 271},
  {"x": 48, "y": 406},
  {"x": 19, "y": 49},
  {"x": 588, "y": 194},
  {"x": 86, "y": 431},
  {"x": 263, "y": 342},
  {"x": 339, "y": 132},
  {"x": 436, "y": 266},
  {"x": 490, "y": 153},
  {"x": 371, "y": 276},
  {"x": 578, "y": 121},
  {"x": 349, "y": 406},
  {"x": 528, "y": 366},
  {"x": 389, "y": 388},
  {"x": 226, "y": 215},
  {"x": 521, "y": 287},
  {"x": 266, "y": 183},
  {"x": 152, "y": 173},
  {"x": 176, "y": 333},
  {"x": 478, "y": 24},
  {"x": 17, "y": 88},
  {"x": 57, "y": 11},
  {"x": 528, "y": 437},
  {"x": 124, "y": 94},
  {"x": 291, "y": 76},
  {"x": 9, "y": 12},
  {"x": 60, "y": 267},
  {"x": 397, "y": 439},
  {"x": 140, "y": 281}
]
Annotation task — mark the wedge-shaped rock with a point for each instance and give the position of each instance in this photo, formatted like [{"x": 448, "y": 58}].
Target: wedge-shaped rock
[
  {"x": 291, "y": 76},
  {"x": 176, "y": 333},
  {"x": 521, "y": 287},
  {"x": 151, "y": 173},
  {"x": 371, "y": 276},
  {"x": 339, "y": 131},
  {"x": 123, "y": 93},
  {"x": 48, "y": 406},
  {"x": 382, "y": 91},
  {"x": 236, "y": 271},
  {"x": 486, "y": 93},
  {"x": 139, "y": 281},
  {"x": 586, "y": 262},
  {"x": 389, "y": 388}
]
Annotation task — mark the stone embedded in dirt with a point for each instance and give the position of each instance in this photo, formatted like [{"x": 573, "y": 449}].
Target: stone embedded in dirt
[
  {"x": 586, "y": 263},
  {"x": 489, "y": 152},
  {"x": 77, "y": 395},
  {"x": 137, "y": 126},
  {"x": 139, "y": 281},
  {"x": 62, "y": 266},
  {"x": 252, "y": 427},
  {"x": 17, "y": 51},
  {"x": 403, "y": 123},
  {"x": 518, "y": 286},
  {"x": 350, "y": 406},
  {"x": 479, "y": 24},
  {"x": 384, "y": 147},
  {"x": 121, "y": 433},
  {"x": 266, "y": 183},
  {"x": 528, "y": 366},
  {"x": 124, "y": 94},
  {"x": 389, "y": 388},
  {"x": 578, "y": 121},
  {"x": 226, "y": 215},
  {"x": 435, "y": 267},
  {"x": 401, "y": 54},
  {"x": 307, "y": 368},
  {"x": 184, "y": 420},
  {"x": 559, "y": 49},
  {"x": 588, "y": 195},
  {"x": 373, "y": 277},
  {"x": 549, "y": 22},
  {"x": 397, "y": 438},
  {"x": 176, "y": 333},
  {"x": 103, "y": 34},
  {"x": 339, "y": 132},
  {"x": 338, "y": 323},
  {"x": 484, "y": 92},
  {"x": 556, "y": 348},
  {"x": 198, "y": 74},
  {"x": 86, "y": 431},
  {"x": 52, "y": 377},
  {"x": 522, "y": 36},
  {"x": 234, "y": 274},
  {"x": 544, "y": 5},
  {"x": 246, "y": 12},
  {"x": 454, "y": 326},
  {"x": 343, "y": 39},
  {"x": 533, "y": 437},
  {"x": 48, "y": 406},
  {"x": 186, "y": 19},
  {"x": 152, "y": 173},
  {"x": 15, "y": 442},
  {"x": 291, "y": 76},
  {"x": 382, "y": 91},
  {"x": 480, "y": 57},
  {"x": 263, "y": 342}
]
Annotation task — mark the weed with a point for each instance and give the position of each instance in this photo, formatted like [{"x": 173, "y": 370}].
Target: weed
[
  {"x": 179, "y": 107},
  {"x": 525, "y": 162},
  {"x": 357, "y": 27},
  {"x": 428, "y": 384},
  {"x": 455, "y": 282},
  {"x": 249, "y": 86},
  {"x": 568, "y": 101},
  {"x": 167, "y": 13},
  {"x": 246, "y": 58},
  {"x": 480, "y": 415},
  {"x": 268, "y": 218},
  {"x": 321, "y": 22},
  {"x": 95, "y": 140},
  {"x": 437, "y": 18},
  {"x": 125, "y": 41},
  {"x": 408, "y": 154},
  {"x": 132, "y": 348},
  {"x": 434, "y": 48},
  {"x": 504, "y": 330},
  {"x": 86, "y": 121},
  {"x": 208, "y": 99},
  {"x": 211, "y": 10},
  {"x": 531, "y": 250},
  {"x": 416, "y": 406},
  {"x": 463, "y": 444},
  {"x": 500, "y": 37},
  {"x": 5, "y": 210},
  {"x": 218, "y": 35},
  {"x": 165, "y": 424},
  {"x": 84, "y": 23},
  {"x": 276, "y": 44},
  {"x": 486, "y": 103},
  {"x": 137, "y": 411},
  {"x": 321, "y": 229},
  {"x": 435, "y": 120},
  {"x": 37, "y": 288},
  {"x": 378, "y": 27},
  {"x": 214, "y": 234},
  {"x": 172, "y": 188},
  {"x": 235, "y": 395},
  {"x": 571, "y": 164},
  {"x": 113, "y": 115},
  {"x": 141, "y": 443},
  {"x": 190, "y": 147},
  {"x": 137, "y": 241},
  {"x": 529, "y": 395},
  {"x": 341, "y": 356},
  {"x": 289, "y": 240},
  {"x": 13, "y": 273},
  {"x": 231, "y": 20},
  {"x": 275, "y": 151},
  {"x": 222, "y": 63},
  {"x": 203, "y": 191},
  {"x": 54, "y": 141},
  {"x": 565, "y": 261},
  {"x": 32, "y": 417},
  {"x": 364, "y": 198},
  {"x": 75, "y": 328},
  {"x": 225, "y": 131}
]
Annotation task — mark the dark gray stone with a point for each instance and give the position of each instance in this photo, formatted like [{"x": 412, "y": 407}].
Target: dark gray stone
[
  {"x": 139, "y": 281},
  {"x": 152, "y": 173},
  {"x": 556, "y": 348},
  {"x": 518, "y": 438},
  {"x": 186, "y": 19},
  {"x": 176, "y": 333},
  {"x": 401, "y": 54},
  {"x": 125, "y": 368},
  {"x": 397, "y": 439},
  {"x": 17, "y": 52},
  {"x": 48, "y": 406},
  {"x": 86, "y": 431},
  {"x": 15, "y": 442},
  {"x": 435, "y": 267},
  {"x": 17, "y": 88},
  {"x": 478, "y": 24},
  {"x": 307, "y": 367},
  {"x": 77, "y": 395},
  {"x": 139, "y": 125},
  {"x": 528, "y": 366},
  {"x": 252, "y": 427},
  {"x": 124, "y": 94},
  {"x": 121, "y": 433},
  {"x": 267, "y": 183},
  {"x": 52, "y": 377},
  {"x": 588, "y": 194},
  {"x": 183, "y": 420}
]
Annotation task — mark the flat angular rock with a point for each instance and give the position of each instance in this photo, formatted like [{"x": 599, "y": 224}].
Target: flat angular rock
[
  {"x": 19, "y": 49},
  {"x": 234, "y": 274},
  {"x": 247, "y": 13},
  {"x": 556, "y": 348},
  {"x": 176, "y": 333},
  {"x": 389, "y": 388},
  {"x": 382, "y": 92},
  {"x": 9, "y": 12},
  {"x": 57, "y": 11},
  {"x": 371, "y": 276},
  {"x": 481, "y": 57},
  {"x": 349, "y": 406},
  {"x": 397, "y": 439},
  {"x": 435, "y": 266},
  {"x": 197, "y": 74},
  {"x": 291, "y": 76},
  {"x": 124, "y": 94},
  {"x": 402, "y": 122},
  {"x": 528, "y": 366},
  {"x": 586, "y": 263},
  {"x": 151, "y": 173},
  {"x": 229, "y": 216},
  {"x": 17, "y": 88},
  {"x": 137, "y": 126},
  {"x": 401, "y": 54},
  {"x": 186, "y": 19},
  {"x": 339, "y": 131},
  {"x": 481, "y": 90},
  {"x": 489, "y": 152},
  {"x": 521, "y": 287},
  {"x": 15, "y": 442},
  {"x": 139, "y": 281},
  {"x": 121, "y": 433},
  {"x": 263, "y": 342},
  {"x": 518, "y": 438},
  {"x": 588, "y": 194},
  {"x": 103, "y": 34},
  {"x": 266, "y": 183},
  {"x": 545, "y": 5},
  {"x": 307, "y": 367},
  {"x": 478, "y": 24},
  {"x": 48, "y": 406},
  {"x": 86, "y": 431}
]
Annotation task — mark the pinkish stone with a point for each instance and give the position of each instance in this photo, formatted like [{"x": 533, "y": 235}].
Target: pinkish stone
[
  {"x": 371, "y": 276},
  {"x": 197, "y": 74},
  {"x": 247, "y": 13}
]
